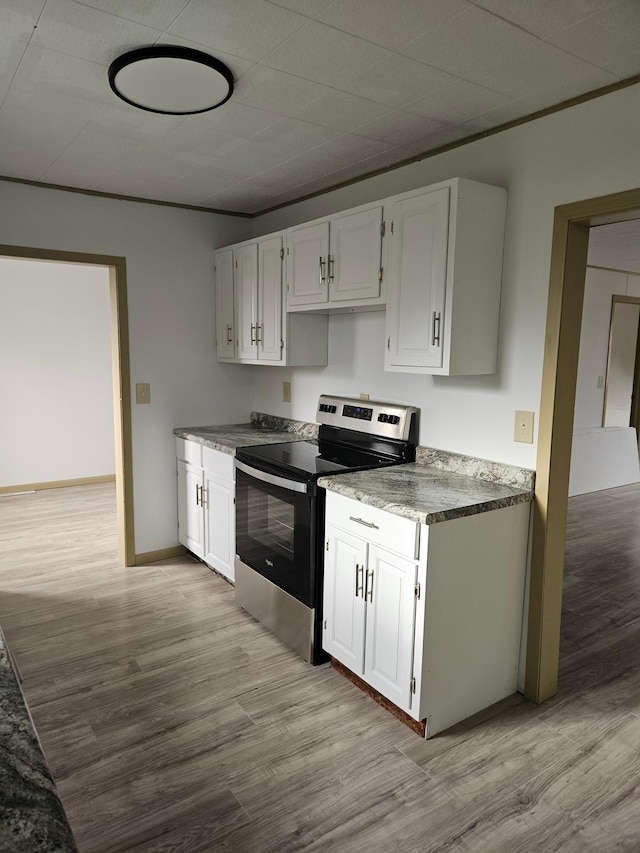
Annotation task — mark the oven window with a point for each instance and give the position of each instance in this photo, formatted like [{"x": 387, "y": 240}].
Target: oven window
[
  {"x": 275, "y": 534},
  {"x": 271, "y": 521}
]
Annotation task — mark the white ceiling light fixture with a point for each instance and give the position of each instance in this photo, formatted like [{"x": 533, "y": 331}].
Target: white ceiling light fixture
[{"x": 171, "y": 80}]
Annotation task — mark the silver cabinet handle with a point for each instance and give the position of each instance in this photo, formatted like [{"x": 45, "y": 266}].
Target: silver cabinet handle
[
  {"x": 229, "y": 335},
  {"x": 332, "y": 265},
  {"x": 368, "y": 590},
  {"x": 435, "y": 329},
  {"x": 198, "y": 494},
  {"x": 258, "y": 329},
  {"x": 322, "y": 273},
  {"x": 273, "y": 479},
  {"x": 203, "y": 496},
  {"x": 359, "y": 581},
  {"x": 253, "y": 333},
  {"x": 362, "y": 521}
]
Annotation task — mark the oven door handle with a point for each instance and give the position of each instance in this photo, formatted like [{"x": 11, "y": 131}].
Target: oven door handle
[{"x": 273, "y": 479}]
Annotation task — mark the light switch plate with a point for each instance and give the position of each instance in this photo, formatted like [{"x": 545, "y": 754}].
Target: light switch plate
[
  {"x": 286, "y": 392},
  {"x": 143, "y": 392},
  {"x": 523, "y": 430}
]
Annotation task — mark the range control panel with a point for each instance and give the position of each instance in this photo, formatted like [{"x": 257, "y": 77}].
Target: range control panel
[
  {"x": 392, "y": 420},
  {"x": 359, "y": 412}
]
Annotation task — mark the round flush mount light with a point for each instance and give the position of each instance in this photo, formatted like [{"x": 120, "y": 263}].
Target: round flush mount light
[{"x": 171, "y": 79}]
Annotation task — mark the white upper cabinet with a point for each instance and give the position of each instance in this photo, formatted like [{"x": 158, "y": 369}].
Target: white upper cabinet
[
  {"x": 415, "y": 312},
  {"x": 432, "y": 256},
  {"x": 269, "y": 326},
  {"x": 307, "y": 261},
  {"x": 335, "y": 264},
  {"x": 355, "y": 260},
  {"x": 246, "y": 286},
  {"x": 225, "y": 324},
  {"x": 443, "y": 293},
  {"x": 251, "y": 324}
]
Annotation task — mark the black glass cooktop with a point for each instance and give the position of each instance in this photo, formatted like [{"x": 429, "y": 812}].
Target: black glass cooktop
[{"x": 309, "y": 457}]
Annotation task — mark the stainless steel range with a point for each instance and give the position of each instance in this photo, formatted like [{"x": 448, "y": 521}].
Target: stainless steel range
[{"x": 280, "y": 511}]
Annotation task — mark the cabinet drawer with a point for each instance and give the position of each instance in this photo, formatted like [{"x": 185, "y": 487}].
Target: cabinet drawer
[
  {"x": 399, "y": 535},
  {"x": 217, "y": 462},
  {"x": 190, "y": 451}
]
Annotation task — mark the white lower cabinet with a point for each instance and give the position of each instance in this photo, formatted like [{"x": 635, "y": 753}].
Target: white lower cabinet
[
  {"x": 429, "y": 616},
  {"x": 391, "y": 602},
  {"x": 190, "y": 516},
  {"x": 206, "y": 504},
  {"x": 369, "y": 606}
]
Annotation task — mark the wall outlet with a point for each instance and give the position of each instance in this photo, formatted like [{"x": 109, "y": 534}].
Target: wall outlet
[
  {"x": 364, "y": 396},
  {"x": 523, "y": 430},
  {"x": 143, "y": 392},
  {"x": 286, "y": 392}
]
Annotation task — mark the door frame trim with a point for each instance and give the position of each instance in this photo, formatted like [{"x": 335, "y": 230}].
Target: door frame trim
[
  {"x": 557, "y": 401},
  {"x": 120, "y": 376}
]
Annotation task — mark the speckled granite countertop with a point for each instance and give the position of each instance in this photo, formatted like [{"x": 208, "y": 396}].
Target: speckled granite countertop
[
  {"x": 438, "y": 486},
  {"x": 32, "y": 819},
  {"x": 435, "y": 488},
  {"x": 262, "y": 429}
]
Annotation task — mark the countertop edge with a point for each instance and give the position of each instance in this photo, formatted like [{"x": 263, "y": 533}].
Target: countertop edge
[{"x": 338, "y": 486}]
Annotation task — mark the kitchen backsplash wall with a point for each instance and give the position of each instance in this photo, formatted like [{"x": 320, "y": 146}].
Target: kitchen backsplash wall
[{"x": 449, "y": 406}]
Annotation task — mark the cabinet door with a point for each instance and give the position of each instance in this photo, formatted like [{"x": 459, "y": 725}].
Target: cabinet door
[
  {"x": 390, "y": 590},
  {"x": 354, "y": 259},
  {"x": 225, "y": 331},
  {"x": 219, "y": 520},
  {"x": 307, "y": 264},
  {"x": 190, "y": 516},
  {"x": 343, "y": 598},
  {"x": 416, "y": 286},
  {"x": 246, "y": 286},
  {"x": 270, "y": 299}
]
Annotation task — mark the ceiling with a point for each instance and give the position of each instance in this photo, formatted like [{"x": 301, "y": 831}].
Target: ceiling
[{"x": 326, "y": 91}]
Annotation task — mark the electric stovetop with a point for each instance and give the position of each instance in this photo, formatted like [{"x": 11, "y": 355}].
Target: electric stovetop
[{"x": 310, "y": 458}]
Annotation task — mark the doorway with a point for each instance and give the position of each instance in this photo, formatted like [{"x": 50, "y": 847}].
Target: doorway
[
  {"x": 564, "y": 316},
  {"x": 120, "y": 379},
  {"x": 623, "y": 374}
]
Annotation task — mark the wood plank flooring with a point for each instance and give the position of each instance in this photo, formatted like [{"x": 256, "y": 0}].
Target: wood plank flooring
[{"x": 172, "y": 721}]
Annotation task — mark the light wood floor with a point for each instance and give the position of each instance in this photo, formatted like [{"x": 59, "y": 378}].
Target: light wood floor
[{"x": 172, "y": 721}]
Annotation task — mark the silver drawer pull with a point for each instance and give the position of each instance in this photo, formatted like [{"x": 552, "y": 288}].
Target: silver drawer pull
[
  {"x": 435, "y": 329},
  {"x": 368, "y": 590},
  {"x": 359, "y": 581},
  {"x": 322, "y": 272},
  {"x": 362, "y": 521}
]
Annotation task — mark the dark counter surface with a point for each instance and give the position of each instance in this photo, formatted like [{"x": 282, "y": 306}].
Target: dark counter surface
[{"x": 32, "y": 819}]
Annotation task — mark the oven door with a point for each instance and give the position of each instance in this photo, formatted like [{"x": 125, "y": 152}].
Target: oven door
[{"x": 275, "y": 530}]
